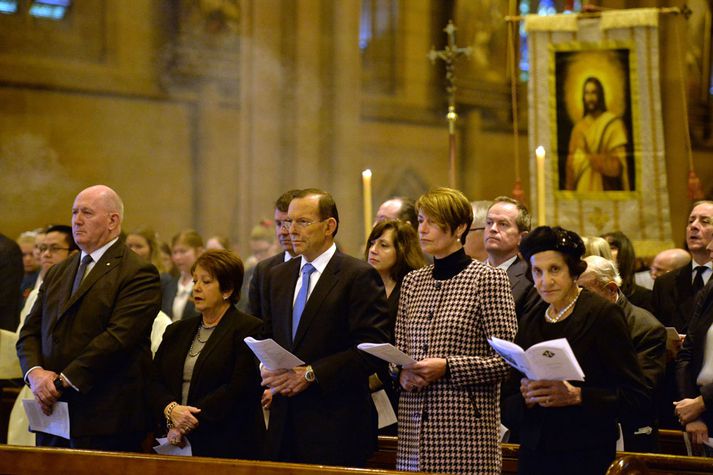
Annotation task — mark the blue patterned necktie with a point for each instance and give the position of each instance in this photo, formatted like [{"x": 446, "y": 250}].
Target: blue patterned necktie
[
  {"x": 80, "y": 272},
  {"x": 307, "y": 270}
]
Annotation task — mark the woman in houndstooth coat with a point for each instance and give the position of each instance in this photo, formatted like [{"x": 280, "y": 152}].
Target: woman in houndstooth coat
[{"x": 448, "y": 411}]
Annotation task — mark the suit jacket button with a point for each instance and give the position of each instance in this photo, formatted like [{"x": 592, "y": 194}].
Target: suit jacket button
[
  {"x": 425, "y": 349},
  {"x": 424, "y": 417},
  {"x": 430, "y": 315}
]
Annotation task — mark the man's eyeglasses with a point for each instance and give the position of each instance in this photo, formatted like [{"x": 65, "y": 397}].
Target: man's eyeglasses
[
  {"x": 52, "y": 249},
  {"x": 300, "y": 223},
  {"x": 476, "y": 229}
]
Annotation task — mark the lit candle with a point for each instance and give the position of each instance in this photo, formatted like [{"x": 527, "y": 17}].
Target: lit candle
[
  {"x": 540, "y": 158},
  {"x": 366, "y": 183}
]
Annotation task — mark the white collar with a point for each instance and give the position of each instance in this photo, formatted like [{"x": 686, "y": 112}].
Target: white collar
[
  {"x": 320, "y": 262},
  {"x": 98, "y": 253},
  {"x": 504, "y": 265}
]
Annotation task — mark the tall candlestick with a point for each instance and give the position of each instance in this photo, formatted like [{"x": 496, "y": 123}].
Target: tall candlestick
[
  {"x": 540, "y": 158},
  {"x": 366, "y": 183}
]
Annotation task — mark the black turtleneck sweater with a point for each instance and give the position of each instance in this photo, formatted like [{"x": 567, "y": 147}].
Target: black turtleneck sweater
[{"x": 451, "y": 265}]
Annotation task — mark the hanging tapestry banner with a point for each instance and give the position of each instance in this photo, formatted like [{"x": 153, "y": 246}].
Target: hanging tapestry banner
[{"x": 595, "y": 107}]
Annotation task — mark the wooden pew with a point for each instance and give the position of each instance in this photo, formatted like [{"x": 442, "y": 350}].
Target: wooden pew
[
  {"x": 671, "y": 442},
  {"x": 642, "y": 464},
  {"x": 385, "y": 456},
  {"x": 30, "y": 460},
  {"x": 629, "y": 463}
]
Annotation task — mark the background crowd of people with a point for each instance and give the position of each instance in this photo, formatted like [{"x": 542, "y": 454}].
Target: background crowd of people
[{"x": 139, "y": 336}]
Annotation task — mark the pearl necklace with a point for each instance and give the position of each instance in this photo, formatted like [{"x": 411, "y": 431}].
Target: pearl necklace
[{"x": 561, "y": 313}]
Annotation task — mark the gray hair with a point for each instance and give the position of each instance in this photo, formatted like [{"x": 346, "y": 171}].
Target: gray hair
[{"x": 603, "y": 270}]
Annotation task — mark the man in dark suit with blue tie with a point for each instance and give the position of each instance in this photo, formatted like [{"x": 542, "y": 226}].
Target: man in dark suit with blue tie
[
  {"x": 86, "y": 340},
  {"x": 321, "y": 307}
]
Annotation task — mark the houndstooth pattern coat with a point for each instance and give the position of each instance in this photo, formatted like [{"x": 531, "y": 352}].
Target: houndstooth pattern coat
[{"x": 452, "y": 425}]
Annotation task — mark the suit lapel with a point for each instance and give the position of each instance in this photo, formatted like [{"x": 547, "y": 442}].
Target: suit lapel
[
  {"x": 326, "y": 283},
  {"x": 281, "y": 312},
  {"x": 179, "y": 349},
  {"x": 220, "y": 332},
  {"x": 683, "y": 282},
  {"x": 108, "y": 262},
  {"x": 66, "y": 287},
  {"x": 704, "y": 299},
  {"x": 515, "y": 272}
]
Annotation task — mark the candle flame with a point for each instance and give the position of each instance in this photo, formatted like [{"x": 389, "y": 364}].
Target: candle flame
[{"x": 366, "y": 173}]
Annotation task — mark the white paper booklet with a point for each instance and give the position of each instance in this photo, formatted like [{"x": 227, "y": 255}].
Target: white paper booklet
[
  {"x": 164, "y": 448},
  {"x": 56, "y": 423},
  {"x": 548, "y": 360},
  {"x": 384, "y": 409},
  {"x": 272, "y": 355},
  {"x": 387, "y": 352}
]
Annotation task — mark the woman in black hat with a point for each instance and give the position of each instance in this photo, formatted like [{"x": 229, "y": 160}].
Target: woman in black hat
[{"x": 571, "y": 427}]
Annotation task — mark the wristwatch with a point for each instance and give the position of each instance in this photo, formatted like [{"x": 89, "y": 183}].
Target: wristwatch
[
  {"x": 309, "y": 374},
  {"x": 58, "y": 384}
]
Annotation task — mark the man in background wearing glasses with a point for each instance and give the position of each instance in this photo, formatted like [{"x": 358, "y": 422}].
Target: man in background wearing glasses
[
  {"x": 57, "y": 245},
  {"x": 261, "y": 270}
]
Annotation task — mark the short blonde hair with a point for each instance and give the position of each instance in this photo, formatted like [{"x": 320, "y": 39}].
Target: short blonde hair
[
  {"x": 447, "y": 208},
  {"x": 596, "y": 246}
]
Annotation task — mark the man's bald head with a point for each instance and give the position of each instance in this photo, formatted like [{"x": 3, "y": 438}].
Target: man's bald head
[
  {"x": 96, "y": 217},
  {"x": 668, "y": 260}
]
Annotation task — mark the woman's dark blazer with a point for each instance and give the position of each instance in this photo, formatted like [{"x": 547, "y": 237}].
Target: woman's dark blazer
[
  {"x": 613, "y": 385},
  {"x": 225, "y": 385}
]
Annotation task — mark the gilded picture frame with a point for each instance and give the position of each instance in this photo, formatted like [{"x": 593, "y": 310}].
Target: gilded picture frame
[{"x": 594, "y": 107}]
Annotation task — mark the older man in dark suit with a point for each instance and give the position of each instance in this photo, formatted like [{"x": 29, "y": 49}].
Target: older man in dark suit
[
  {"x": 674, "y": 293},
  {"x": 649, "y": 338},
  {"x": 320, "y": 307},
  {"x": 263, "y": 267},
  {"x": 693, "y": 373},
  {"x": 86, "y": 340},
  {"x": 673, "y": 296}
]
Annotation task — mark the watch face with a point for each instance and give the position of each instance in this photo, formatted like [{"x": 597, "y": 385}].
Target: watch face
[{"x": 309, "y": 375}]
